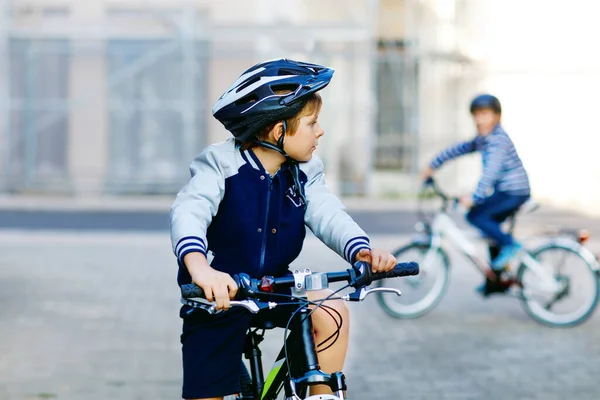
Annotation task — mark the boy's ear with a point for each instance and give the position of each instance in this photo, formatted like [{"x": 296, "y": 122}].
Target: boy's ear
[{"x": 277, "y": 131}]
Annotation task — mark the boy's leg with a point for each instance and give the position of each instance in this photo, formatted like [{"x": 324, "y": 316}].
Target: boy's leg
[
  {"x": 332, "y": 359},
  {"x": 489, "y": 215},
  {"x": 212, "y": 347},
  {"x": 487, "y": 286},
  {"x": 483, "y": 217},
  {"x": 494, "y": 248}
]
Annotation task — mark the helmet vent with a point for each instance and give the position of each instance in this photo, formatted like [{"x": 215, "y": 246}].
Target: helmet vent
[
  {"x": 247, "y": 83},
  {"x": 284, "y": 88},
  {"x": 251, "y": 98},
  {"x": 288, "y": 71}
]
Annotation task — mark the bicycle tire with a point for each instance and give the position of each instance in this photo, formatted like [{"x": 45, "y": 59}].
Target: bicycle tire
[
  {"x": 547, "y": 318},
  {"x": 389, "y": 302}
]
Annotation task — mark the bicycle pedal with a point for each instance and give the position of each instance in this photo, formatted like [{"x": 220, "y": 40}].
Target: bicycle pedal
[
  {"x": 499, "y": 286},
  {"x": 495, "y": 290}
]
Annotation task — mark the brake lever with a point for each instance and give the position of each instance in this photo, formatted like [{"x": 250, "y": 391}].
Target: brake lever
[
  {"x": 250, "y": 305},
  {"x": 361, "y": 294}
]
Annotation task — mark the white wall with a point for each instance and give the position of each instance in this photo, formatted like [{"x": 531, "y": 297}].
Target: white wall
[{"x": 542, "y": 61}]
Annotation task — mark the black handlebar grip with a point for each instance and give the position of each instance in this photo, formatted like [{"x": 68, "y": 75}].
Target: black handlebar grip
[
  {"x": 190, "y": 290},
  {"x": 366, "y": 276},
  {"x": 401, "y": 269}
]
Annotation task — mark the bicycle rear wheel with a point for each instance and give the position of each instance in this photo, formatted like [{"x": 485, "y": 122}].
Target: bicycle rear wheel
[{"x": 576, "y": 271}]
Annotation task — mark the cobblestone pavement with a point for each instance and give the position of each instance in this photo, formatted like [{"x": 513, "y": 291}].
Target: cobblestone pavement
[{"x": 94, "y": 316}]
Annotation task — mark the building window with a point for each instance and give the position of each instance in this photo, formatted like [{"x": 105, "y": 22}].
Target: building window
[
  {"x": 157, "y": 112},
  {"x": 396, "y": 108},
  {"x": 39, "y": 114}
]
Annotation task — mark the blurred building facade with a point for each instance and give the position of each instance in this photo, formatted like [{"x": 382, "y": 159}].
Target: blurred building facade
[{"x": 114, "y": 96}]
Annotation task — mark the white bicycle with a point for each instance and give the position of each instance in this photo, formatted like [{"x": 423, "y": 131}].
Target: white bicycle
[{"x": 546, "y": 288}]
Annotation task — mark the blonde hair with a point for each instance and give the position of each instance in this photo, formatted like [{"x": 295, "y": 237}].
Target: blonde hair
[{"x": 313, "y": 106}]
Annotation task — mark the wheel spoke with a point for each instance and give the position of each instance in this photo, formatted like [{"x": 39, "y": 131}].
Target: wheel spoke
[{"x": 549, "y": 308}]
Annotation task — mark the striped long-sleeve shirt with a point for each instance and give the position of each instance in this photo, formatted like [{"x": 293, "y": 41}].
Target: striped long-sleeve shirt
[{"x": 502, "y": 167}]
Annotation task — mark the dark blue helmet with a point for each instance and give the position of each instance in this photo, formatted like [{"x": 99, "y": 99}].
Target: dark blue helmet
[
  {"x": 252, "y": 102},
  {"x": 486, "y": 101}
]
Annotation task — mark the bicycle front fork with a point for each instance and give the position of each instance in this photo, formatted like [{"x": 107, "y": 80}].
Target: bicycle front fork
[{"x": 309, "y": 367}]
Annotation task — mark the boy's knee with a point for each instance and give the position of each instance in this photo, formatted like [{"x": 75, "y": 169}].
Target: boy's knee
[
  {"x": 330, "y": 323},
  {"x": 341, "y": 307},
  {"x": 327, "y": 319}
]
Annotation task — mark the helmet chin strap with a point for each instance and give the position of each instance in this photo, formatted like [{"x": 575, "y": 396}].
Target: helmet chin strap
[
  {"x": 295, "y": 168},
  {"x": 279, "y": 147}
]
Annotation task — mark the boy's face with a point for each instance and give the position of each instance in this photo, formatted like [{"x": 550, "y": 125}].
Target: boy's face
[
  {"x": 485, "y": 120},
  {"x": 301, "y": 144}
]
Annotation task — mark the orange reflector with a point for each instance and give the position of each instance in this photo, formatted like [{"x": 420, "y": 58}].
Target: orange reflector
[{"x": 583, "y": 235}]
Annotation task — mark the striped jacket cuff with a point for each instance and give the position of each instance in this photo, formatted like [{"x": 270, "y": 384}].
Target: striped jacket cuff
[
  {"x": 189, "y": 244},
  {"x": 355, "y": 245},
  {"x": 435, "y": 163},
  {"x": 477, "y": 199}
]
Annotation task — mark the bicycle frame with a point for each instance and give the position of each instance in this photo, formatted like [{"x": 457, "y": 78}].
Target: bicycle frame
[
  {"x": 303, "y": 361},
  {"x": 444, "y": 230},
  {"x": 302, "y": 354}
]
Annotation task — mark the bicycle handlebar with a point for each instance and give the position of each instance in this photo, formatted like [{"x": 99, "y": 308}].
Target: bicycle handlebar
[
  {"x": 359, "y": 276},
  {"x": 430, "y": 182}
]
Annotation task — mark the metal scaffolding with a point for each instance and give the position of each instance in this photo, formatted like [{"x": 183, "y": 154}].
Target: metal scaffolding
[
  {"x": 115, "y": 97},
  {"x": 4, "y": 90}
]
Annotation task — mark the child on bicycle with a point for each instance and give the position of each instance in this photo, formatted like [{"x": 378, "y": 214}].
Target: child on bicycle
[
  {"x": 247, "y": 202},
  {"x": 504, "y": 184}
]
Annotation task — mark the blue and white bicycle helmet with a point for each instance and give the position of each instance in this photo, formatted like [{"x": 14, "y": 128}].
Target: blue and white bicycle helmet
[{"x": 251, "y": 102}]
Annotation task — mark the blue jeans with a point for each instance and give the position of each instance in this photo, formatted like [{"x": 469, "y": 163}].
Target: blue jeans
[{"x": 494, "y": 210}]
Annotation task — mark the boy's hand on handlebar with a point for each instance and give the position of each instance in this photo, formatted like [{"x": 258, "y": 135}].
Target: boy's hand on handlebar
[
  {"x": 466, "y": 201},
  {"x": 380, "y": 260},
  {"x": 218, "y": 286},
  {"x": 426, "y": 173}
]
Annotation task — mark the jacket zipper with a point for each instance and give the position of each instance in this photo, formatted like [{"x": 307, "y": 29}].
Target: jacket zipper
[{"x": 264, "y": 242}]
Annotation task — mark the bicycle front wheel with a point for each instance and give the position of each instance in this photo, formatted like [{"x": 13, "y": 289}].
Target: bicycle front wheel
[
  {"x": 421, "y": 293},
  {"x": 577, "y": 274}
]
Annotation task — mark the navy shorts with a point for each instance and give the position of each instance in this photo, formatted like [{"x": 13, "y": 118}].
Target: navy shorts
[{"x": 212, "y": 348}]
